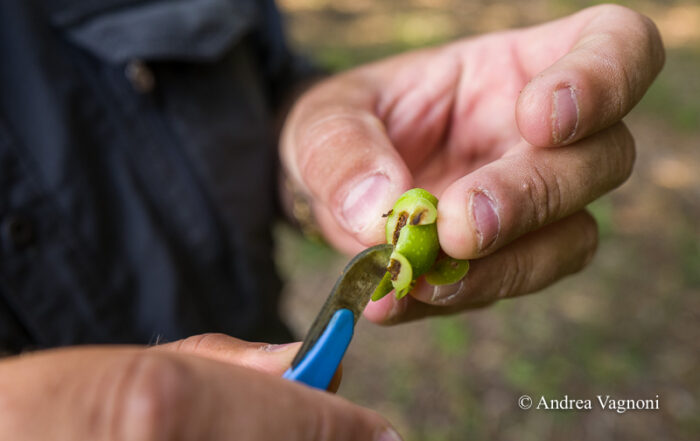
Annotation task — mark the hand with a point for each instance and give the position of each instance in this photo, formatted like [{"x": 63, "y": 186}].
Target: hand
[
  {"x": 199, "y": 388},
  {"x": 515, "y": 132}
]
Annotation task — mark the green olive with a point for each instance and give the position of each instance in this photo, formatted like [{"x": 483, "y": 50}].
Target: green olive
[
  {"x": 411, "y": 227},
  {"x": 447, "y": 270}
]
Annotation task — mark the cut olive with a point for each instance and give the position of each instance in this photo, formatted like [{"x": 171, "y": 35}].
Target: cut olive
[
  {"x": 411, "y": 226},
  {"x": 400, "y": 271}
]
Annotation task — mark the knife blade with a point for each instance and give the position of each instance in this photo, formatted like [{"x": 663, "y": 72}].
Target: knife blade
[{"x": 352, "y": 291}]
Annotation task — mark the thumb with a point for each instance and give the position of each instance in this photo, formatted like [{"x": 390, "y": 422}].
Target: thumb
[
  {"x": 252, "y": 406},
  {"x": 264, "y": 357},
  {"x": 336, "y": 149},
  {"x": 128, "y": 393}
]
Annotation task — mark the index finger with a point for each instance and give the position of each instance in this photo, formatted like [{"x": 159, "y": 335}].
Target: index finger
[
  {"x": 589, "y": 69},
  {"x": 271, "y": 358}
]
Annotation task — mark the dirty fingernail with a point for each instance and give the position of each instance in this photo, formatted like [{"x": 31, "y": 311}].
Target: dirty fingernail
[
  {"x": 486, "y": 220},
  {"x": 565, "y": 114},
  {"x": 446, "y": 293},
  {"x": 364, "y": 202}
]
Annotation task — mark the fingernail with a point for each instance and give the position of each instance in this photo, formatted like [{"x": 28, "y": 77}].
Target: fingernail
[
  {"x": 446, "y": 293},
  {"x": 276, "y": 348},
  {"x": 486, "y": 219},
  {"x": 564, "y": 114},
  {"x": 364, "y": 202},
  {"x": 389, "y": 434}
]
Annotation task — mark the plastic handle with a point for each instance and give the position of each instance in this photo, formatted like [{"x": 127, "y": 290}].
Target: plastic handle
[{"x": 319, "y": 365}]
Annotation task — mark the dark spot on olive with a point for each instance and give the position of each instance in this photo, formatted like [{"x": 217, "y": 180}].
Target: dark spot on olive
[
  {"x": 394, "y": 269},
  {"x": 388, "y": 213},
  {"x": 415, "y": 219},
  {"x": 400, "y": 223}
]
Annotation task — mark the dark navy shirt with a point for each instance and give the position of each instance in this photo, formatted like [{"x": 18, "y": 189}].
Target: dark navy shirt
[{"x": 137, "y": 169}]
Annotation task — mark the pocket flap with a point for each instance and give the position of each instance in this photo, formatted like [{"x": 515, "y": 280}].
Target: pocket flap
[{"x": 184, "y": 30}]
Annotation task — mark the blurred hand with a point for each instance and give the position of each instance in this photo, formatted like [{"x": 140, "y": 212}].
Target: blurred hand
[
  {"x": 207, "y": 387},
  {"x": 515, "y": 132}
]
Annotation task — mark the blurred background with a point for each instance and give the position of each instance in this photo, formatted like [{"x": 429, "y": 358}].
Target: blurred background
[{"x": 628, "y": 326}]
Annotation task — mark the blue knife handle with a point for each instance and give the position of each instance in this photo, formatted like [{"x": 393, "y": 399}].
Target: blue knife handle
[{"x": 317, "y": 368}]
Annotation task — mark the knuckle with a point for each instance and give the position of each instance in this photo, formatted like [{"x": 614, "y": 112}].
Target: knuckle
[
  {"x": 321, "y": 427},
  {"x": 202, "y": 342},
  {"x": 150, "y": 389},
  {"x": 544, "y": 191},
  {"x": 639, "y": 32},
  {"x": 644, "y": 26},
  {"x": 614, "y": 62},
  {"x": 332, "y": 423},
  {"x": 314, "y": 426},
  {"x": 339, "y": 138},
  {"x": 612, "y": 8},
  {"x": 585, "y": 243},
  {"x": 340, "y": 125},
  {"x": 654, "y": 43},
  {"x": 647, "y": 38},
  {"x": 619, "y": 13},
  {"x": 622, "y": 156},
  {"x": 589, "y": 238},
  {"x": 329, "y": 417},
  {"x": 633, "y": 53},
  {"x": 647, "y": 26},
  {"x": 516, "y": 276}
]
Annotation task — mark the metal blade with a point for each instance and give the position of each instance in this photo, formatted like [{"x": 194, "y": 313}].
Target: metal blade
[{"x": 352, "y": 291}]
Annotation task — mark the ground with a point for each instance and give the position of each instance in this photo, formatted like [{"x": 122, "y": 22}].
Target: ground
[{"x": 628, "y": 326}]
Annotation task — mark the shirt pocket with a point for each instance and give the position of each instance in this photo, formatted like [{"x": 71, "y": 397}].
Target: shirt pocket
[{"x": 184, "y": 30}]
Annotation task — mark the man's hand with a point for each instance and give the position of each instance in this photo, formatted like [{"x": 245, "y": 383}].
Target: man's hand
[
  {"x": 203, "y": 388},
  {"x": 515, "y": 132}
]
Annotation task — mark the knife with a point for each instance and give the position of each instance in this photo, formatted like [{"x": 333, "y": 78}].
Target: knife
[{"x": 330, "y": 334}]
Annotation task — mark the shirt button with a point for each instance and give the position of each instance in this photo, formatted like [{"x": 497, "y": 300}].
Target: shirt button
[
  {"x": 140, "y": 76},
  {"x": 19, "y": 231}
]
